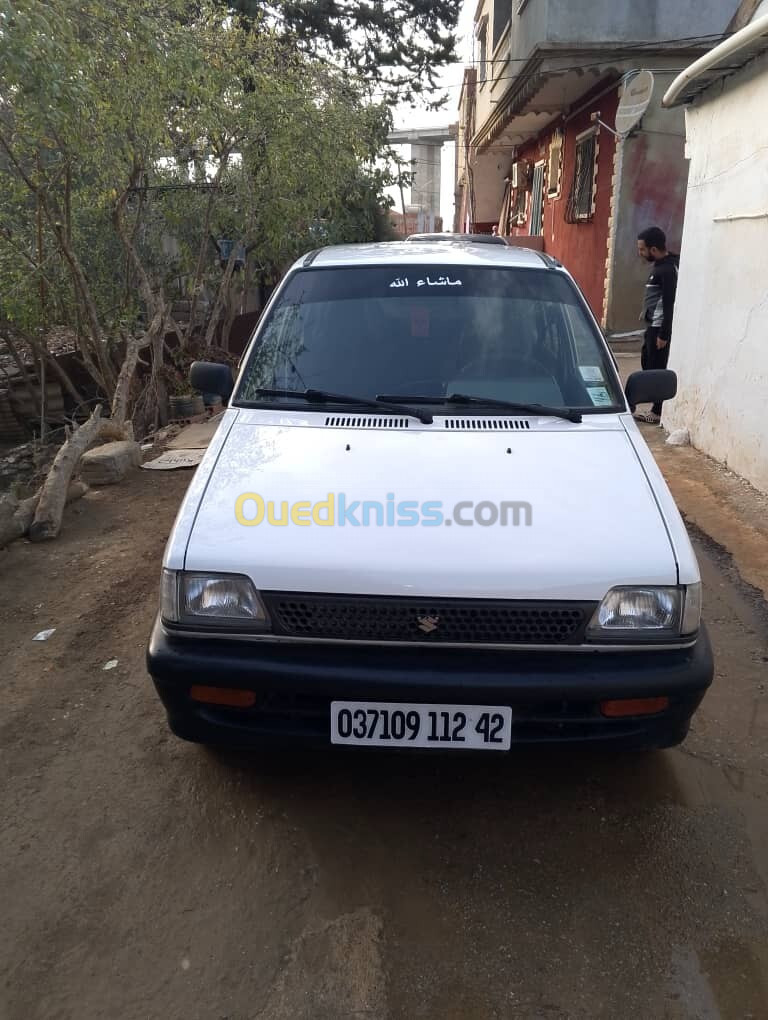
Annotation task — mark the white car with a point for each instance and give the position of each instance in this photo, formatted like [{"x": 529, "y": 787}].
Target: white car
[{"x": 428, "y": 520}]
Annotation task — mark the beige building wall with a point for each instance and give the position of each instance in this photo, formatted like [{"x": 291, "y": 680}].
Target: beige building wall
[{"x": 720, "y": 335}]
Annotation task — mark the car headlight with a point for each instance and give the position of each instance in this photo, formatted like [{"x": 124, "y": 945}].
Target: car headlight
[
  {"x": 217, "y": 600},
  {"x": 647, "y": 612}
]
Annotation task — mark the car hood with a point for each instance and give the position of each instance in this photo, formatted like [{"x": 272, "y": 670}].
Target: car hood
[{"x": 593, "y": 521}]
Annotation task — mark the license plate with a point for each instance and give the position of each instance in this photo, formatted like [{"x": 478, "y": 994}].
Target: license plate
[{"x": 388, "y": 724}]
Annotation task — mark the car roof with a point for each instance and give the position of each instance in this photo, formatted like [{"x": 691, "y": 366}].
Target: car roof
[
  {"x": 394, "y": 253},
  {"x": 472, "y": 238}
]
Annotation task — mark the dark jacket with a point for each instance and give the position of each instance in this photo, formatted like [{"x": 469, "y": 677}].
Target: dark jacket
[{"x": 660, "y": 293}]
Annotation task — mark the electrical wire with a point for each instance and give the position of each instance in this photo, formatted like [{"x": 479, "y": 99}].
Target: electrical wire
[
  {"x": 606, "y": 57},
  {"x": 651, "y": 44},
  {"x": 694, "y": 42}
]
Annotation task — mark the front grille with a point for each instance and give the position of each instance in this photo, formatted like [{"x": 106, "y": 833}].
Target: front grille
[{"x": 427, "y": 621}]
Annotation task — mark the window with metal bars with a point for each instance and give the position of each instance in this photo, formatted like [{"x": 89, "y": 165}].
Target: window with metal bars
[
  {"x": 581, "y": 201},
  {"x": 537, "y": 201},
  {"x": 555, "y": 164}
]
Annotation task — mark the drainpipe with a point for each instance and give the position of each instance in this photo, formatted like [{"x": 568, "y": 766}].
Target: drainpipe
[{"x": 726, "y": 49}]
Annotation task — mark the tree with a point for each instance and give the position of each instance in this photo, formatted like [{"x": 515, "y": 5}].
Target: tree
[
  {"x": 145, "y": 134},
  {"x": 398, "y": 47}
]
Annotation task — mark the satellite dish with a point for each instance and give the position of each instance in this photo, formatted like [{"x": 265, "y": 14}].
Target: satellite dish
[{"x": 638, "y": 92}]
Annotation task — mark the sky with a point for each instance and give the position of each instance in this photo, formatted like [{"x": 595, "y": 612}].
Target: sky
[{"x": 419, "y": 117}]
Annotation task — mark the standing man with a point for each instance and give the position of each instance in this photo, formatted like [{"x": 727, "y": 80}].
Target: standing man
[{"x": 658, "y": 306}]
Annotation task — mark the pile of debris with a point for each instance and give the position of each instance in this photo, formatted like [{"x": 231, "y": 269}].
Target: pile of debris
[
  {"x": 22, "y": 466},
  {"x": 21, "y": 409}
]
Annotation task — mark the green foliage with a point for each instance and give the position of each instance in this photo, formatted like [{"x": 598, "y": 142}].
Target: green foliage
[
  {"x": 399, "y": 46},
  {"x": 136, "y": 131}
]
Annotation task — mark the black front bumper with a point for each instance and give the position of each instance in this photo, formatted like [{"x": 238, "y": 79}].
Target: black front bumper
[{"x": 555, "y": 696}]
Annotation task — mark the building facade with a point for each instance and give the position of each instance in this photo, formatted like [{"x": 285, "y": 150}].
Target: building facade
[
  {"x": 415, "y": 221},
  {"x": 720, "y": 335},
  {"x": 536, "y": 156}
]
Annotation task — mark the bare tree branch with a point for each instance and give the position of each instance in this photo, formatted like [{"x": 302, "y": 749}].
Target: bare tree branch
[
  {"x": 53, "y": 495},
  {"x": 153, "y": 301},
  {"x": 124, "y": 379},
  {"x": 221, "y": 297},
  {"x": 197, "y": 280},
  {"x": 104, "y": 374}
]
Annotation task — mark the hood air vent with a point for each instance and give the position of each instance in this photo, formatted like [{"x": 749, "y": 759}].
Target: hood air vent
[
  {"x": 346, "y": 421},
  {"x": 487, "y": 424},
  {"x": 479, "y": 424}
]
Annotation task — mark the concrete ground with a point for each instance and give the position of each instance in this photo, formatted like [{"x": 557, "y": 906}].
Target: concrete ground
[{"x": 147, "y": 878}]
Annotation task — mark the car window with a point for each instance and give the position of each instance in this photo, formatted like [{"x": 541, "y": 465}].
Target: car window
[{"x": 511, "y": 334}]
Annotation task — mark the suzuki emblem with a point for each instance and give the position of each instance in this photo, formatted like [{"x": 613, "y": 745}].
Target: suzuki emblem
[{"x": 428, "y": 624}]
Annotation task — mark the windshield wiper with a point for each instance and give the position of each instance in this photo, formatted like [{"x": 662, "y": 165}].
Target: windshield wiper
[
  {"x": 567, "y": 413},
  {"x": 325, "y": 397}
]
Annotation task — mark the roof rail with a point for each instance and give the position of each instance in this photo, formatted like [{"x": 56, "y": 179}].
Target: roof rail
[
  {"x": 309, "y": 259},
  {"x": 550, "y": 260}
]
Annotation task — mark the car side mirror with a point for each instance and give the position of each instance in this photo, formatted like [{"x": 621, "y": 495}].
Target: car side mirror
[
  {"x": 210, "y": 377},
  {"x": 653, "y": 386}
]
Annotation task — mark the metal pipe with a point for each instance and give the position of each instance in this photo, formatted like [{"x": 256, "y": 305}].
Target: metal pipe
[
  {"x": 741, "y": 216},
  {"x": 737, "y": 42}
]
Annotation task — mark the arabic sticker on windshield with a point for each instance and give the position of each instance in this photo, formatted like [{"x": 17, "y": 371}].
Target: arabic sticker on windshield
[
  {"x": 599, "y": 396},
  {"x": 439, "y": 281},
  {"x": 592, "y": 373}
]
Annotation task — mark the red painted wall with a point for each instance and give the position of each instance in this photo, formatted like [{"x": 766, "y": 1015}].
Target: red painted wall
[
  {"x": 653, "y": 193},
  {"x": 656, "y": 181},
  {"x": 581, "y": 247}
]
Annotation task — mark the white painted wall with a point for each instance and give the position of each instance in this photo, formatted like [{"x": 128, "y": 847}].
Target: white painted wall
[{"x": 720, "y": 335}]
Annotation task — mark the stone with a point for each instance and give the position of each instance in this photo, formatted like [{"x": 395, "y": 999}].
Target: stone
[
  {"x": 109, "y": 463},
  {"x": 680, "y": 437}
]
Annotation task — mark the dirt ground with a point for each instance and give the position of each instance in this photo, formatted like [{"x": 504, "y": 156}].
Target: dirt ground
[{"x": 143, "y": 877}]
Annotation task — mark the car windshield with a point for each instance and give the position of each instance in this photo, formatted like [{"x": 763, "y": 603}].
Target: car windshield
[{"x": 405, "y": 331}]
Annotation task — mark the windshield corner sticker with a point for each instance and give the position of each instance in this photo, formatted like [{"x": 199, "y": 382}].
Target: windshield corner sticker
[
  {"x": 592, "y": 374},
  {"x": 599, "y": 396},
  {"x": 441, "y": 281}
]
